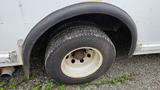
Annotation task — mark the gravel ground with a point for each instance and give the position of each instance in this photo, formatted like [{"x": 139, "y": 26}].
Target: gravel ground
[{"x": 136, "y": 73}]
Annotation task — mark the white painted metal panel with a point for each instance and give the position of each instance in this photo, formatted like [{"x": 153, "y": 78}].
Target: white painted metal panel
[
  {"x": 146, "y": 15},
  {"x": 18, "y": 17},
  {"x": 11, "y": 25}
]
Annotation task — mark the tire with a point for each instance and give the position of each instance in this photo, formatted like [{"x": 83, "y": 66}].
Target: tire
[{"x": 73, "y": 43}]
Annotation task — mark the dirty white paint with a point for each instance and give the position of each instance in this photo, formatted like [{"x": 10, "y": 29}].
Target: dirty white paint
[{"x": 18, "y": 17}]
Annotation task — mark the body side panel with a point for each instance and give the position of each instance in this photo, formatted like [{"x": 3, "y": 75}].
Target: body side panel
[{"x": 20, "y": 16}]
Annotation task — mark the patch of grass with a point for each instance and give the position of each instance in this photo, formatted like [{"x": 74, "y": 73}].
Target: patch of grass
[
  {"x": 1, "y": 83},
  {"x": 34, "y": 75},
  {"x": 24, "y": 78},
  {"x": 121, "y": 79},
  {"x": 49, "y": 86},
  {"x": 118, "y": 80},
  {"x": 1, "y": 88},
  {"x": 83, "y": 86},
  {"x": 36, "y": 87},
  {"x": 12, "y": 86},
  {"x": 62, "y": 87}
]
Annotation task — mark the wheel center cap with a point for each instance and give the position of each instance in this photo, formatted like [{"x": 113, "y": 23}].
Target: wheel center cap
[{"x": 79, "y": 54}]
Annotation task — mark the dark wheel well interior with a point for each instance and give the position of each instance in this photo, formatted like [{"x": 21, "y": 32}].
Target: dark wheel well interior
[{"x": 117, "y": 31}]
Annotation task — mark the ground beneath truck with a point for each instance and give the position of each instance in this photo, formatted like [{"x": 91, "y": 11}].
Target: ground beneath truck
[{"x": 136, "y": 73}]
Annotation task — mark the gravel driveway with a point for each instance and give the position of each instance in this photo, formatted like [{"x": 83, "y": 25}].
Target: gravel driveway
[{"x": 136, "y": 73}]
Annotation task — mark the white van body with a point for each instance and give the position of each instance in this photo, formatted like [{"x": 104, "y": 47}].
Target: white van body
[{"x": 18, "y": 17}]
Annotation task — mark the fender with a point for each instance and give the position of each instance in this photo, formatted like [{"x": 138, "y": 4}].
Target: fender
[{"x": 72, "y": 11}]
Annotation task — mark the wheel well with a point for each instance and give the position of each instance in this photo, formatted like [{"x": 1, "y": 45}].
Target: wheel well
[{"x": 117, "y": 31}]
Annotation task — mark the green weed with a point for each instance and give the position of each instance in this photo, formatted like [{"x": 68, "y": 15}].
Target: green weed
[{"x": 12, "y": 86}]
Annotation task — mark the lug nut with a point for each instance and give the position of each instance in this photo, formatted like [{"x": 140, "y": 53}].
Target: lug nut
[
  {"x": 89, "y": 55},
  {"x": 73, "y": 61},
  {"x": 81, "y": 60}
]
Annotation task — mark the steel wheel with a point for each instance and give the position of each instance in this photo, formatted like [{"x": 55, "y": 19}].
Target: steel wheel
[{"x": 81, "y": 62}]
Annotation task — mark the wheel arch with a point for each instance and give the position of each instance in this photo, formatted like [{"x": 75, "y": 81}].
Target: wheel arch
[{"x": 72, "y": 11}]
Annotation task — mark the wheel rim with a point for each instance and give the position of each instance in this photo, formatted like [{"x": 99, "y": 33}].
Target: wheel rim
[{"x": 81, "y": 62}]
